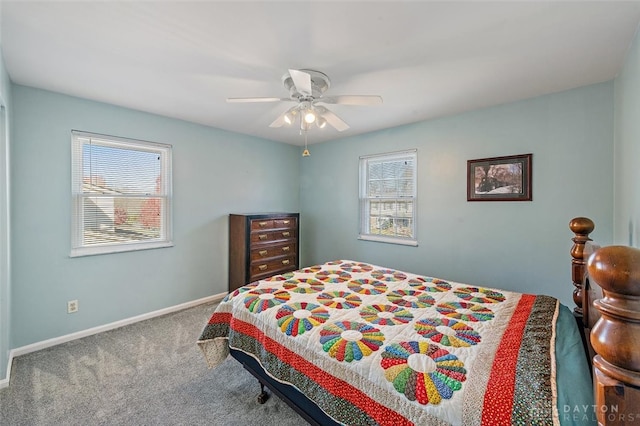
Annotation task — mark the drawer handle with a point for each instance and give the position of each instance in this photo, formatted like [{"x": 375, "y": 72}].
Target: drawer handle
[
  {"x": 285, "y": 262},
  {"x": 262, "y": 224},
  {"x": 262, "y": 252},
  {"x": 285, "y": 248},
  {"x": 286, "y": 222},
  {"x": 263, "y": 267},
  {"x": 286, "y": 234},
  {"x": 262, "y": 236}
]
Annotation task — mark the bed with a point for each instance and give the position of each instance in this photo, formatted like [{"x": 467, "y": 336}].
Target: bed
[{"x": 348, "y": 342}]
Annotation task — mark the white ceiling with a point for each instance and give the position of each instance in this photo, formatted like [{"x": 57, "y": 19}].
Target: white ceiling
[{"x": 425, "y": 58}]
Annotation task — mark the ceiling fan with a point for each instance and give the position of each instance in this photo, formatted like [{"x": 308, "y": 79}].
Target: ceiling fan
[{"x": 306, "y": 88}]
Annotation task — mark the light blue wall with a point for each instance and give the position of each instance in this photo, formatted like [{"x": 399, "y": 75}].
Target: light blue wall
[
  {"x": 627, "y": 150},
  {"x": 5, "y": 283},
  {"x": 522, "y": 246},
  {"x": 214, "y": 173}
]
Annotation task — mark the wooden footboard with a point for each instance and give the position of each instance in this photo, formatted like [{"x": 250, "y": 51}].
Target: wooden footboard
[{"x": 615, "y": 337}]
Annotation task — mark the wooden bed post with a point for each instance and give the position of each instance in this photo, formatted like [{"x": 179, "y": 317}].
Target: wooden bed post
[
  {"x": 616, "y": 335},
  {"x": 581, "y": 227}
]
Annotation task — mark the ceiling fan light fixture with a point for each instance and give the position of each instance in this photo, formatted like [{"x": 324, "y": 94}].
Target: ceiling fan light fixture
[
  {"x": 290, "y": 116},
  {"x": 321, "y": 122},
  {"x": 309, "y": 117}
]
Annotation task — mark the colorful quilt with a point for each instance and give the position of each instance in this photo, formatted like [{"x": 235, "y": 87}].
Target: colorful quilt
[{"x": 372, "y": 345}]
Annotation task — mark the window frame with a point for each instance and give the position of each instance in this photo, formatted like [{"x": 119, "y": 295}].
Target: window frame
[
  {"x": 365, "y": 201},
  {"x": 78, "y": 246}
]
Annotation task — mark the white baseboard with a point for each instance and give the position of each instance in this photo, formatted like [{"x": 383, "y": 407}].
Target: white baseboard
[
  {"x": 5, "y": 382},
  {"x": 23, "y": 350}
]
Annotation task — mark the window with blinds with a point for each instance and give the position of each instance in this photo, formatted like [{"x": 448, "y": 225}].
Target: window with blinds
[
  {"x": 388, "y": 197},
  {"x": 121, "y": 192}
]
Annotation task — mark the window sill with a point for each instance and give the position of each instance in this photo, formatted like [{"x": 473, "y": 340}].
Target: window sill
[
  {"x": 120, "y": 248},
  {"x": 389, "y": 240}
]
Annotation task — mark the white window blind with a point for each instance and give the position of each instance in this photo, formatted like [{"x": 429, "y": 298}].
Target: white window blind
[
  {"x": 121, "y": 192},
  {"x": 388, "y": 197}
]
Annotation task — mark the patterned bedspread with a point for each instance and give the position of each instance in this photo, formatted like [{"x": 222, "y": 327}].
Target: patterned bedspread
[{"x": 371, "y": 345}]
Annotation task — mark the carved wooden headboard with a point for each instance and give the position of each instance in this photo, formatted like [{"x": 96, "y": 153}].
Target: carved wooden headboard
[{"x": 583, "y": 293}]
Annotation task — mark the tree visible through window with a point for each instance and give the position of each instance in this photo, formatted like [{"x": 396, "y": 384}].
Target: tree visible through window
[
  {"x": 121, "y": 194},
  {"x": 388, "y": 197}
]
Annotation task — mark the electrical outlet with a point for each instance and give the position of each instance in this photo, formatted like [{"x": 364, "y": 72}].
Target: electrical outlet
[{"x": 72, "y": 306}]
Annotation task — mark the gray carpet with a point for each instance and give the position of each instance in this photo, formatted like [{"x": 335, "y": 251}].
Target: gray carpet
[{"x": 148, "y": 373}]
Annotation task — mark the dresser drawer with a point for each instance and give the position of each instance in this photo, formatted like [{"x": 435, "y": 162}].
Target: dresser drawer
[
  {"x": 270, "y": 251},
  {"x": 270, "y": 236},
  {"x": 271, "y": 267},
  {"x": 260, "y": 224},
  {"x": 280, "y": 223},
  {"x": 289, "y": 222}
]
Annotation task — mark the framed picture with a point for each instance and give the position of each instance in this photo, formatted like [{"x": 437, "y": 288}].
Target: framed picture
[{"x": 499, "y": 178}]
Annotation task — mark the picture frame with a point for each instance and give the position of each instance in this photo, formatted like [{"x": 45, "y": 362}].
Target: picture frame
[{"x": 500, "y": 178}]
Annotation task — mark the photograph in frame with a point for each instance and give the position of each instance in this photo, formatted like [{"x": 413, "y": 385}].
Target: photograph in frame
[{"x": 499, "y": 178}]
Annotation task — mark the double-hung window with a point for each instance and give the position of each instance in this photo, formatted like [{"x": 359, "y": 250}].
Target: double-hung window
[
  {"x": 388, "y": 197},
  {"x": 121, "y": 194}
]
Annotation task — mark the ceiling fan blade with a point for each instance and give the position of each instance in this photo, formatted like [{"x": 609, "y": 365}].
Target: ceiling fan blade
[
  {"x": 352, "y": 100},
  {"x": 335, "y": 121},
  {"x": 241, "y": 100},
  {"x": 302, "y": 81}
]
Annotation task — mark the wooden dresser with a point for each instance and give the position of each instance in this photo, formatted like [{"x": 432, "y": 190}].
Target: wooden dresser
[{"x": 261, "y": 245}]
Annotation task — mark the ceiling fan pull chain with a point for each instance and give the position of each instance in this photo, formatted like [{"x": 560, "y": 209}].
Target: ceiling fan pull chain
[{"x": 306, "y": 152}]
